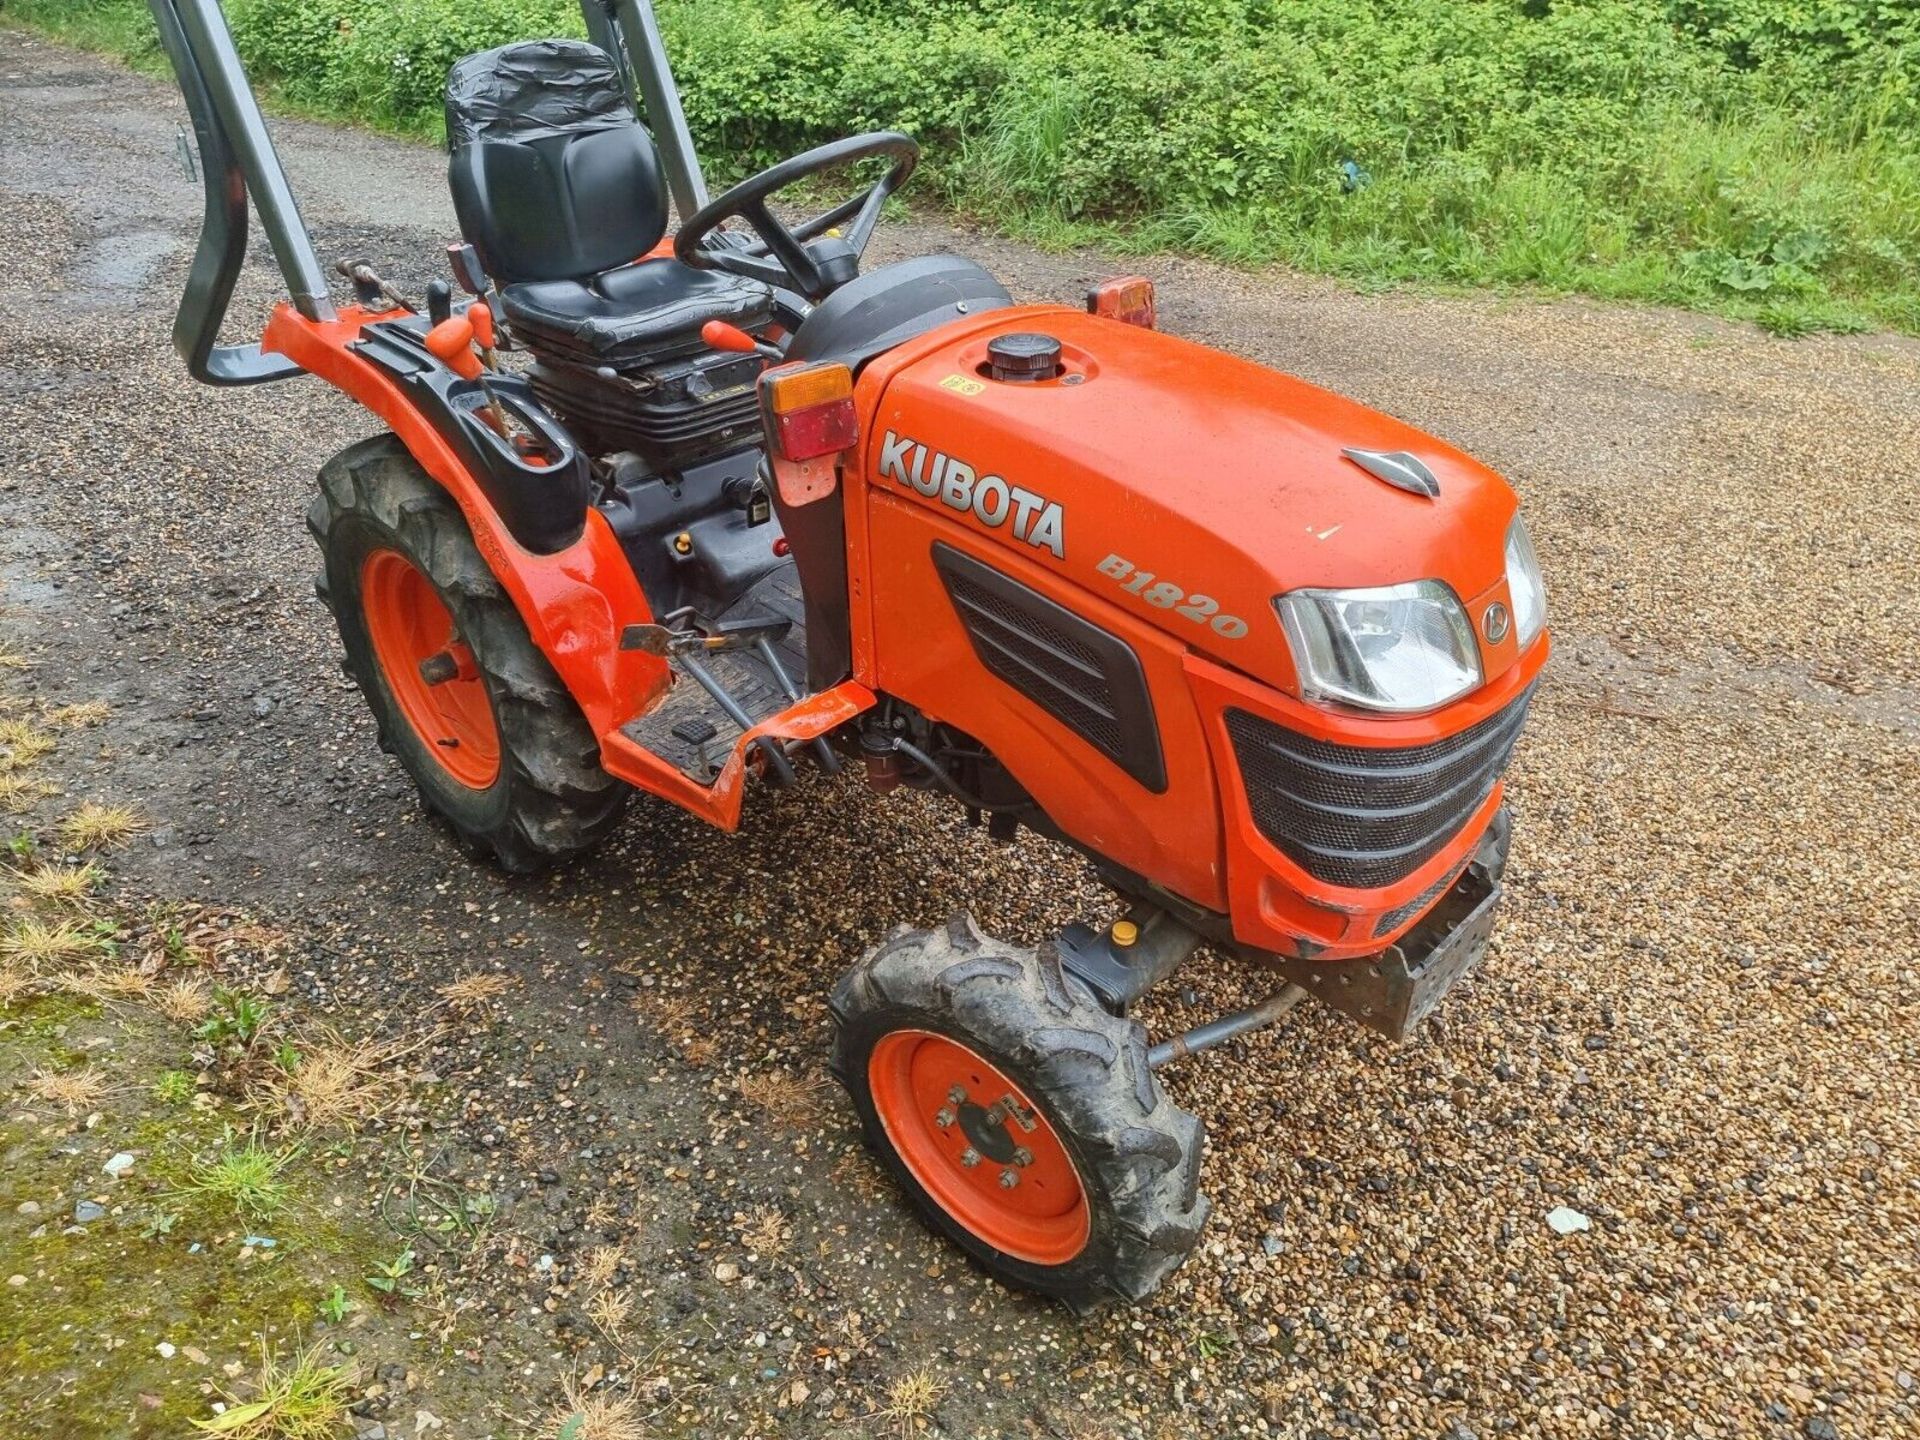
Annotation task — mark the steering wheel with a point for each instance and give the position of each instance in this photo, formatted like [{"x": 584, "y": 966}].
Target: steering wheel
[{"x": 783, "y": 255}]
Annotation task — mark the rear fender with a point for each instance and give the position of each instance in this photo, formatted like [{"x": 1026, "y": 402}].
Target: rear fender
[{"x": 576, "y": 602}]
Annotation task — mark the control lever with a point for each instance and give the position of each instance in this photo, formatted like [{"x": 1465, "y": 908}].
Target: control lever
[
  {"x": 727, "y": 635},
  {"x": 368, "y": 288},
  {"x": 719, "y": 335},
  {"x": 439, "y": 302},
  {"x": 451, "y": 343}
]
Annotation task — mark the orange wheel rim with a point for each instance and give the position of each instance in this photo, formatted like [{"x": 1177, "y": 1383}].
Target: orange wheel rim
[
  {"x": 979, "y": 1146},
  {"x": 409, "y": 626}
]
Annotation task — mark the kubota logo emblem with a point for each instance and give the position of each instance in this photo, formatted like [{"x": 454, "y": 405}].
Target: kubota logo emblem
[{"x": 988, "y": 498}]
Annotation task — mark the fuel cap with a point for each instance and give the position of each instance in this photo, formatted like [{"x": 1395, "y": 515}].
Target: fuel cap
[{"x": 1023, "y": 358}]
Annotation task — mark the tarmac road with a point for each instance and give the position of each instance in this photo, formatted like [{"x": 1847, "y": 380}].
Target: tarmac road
[{"x": 1700, "y": 1024}]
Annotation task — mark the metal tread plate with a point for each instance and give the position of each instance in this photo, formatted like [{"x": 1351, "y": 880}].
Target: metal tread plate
[{"x": 744, "y": 675}]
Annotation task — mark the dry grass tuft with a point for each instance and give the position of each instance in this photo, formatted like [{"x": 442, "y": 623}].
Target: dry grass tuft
[
  {"x": 106, "y": 984},
  {"x": 12, "y": 660},
  {"x": 475, "y": 992},
  {"x": 609, "y": 1311},
  {"x": 61, "y": 884},
  {"x": 15, "y": 985},
  {"x": 54, "y": 944},
  {"x": 764, "y": 1230},
  {"x": 295, "y": 1399},
  {"x": 912, "y": 1398},
  {"x": 72, "y": 1090},
  {"x": 601, "y": 1265},
  {"x": 185, "y": 1000},
  {"x": 83, "y": 715},
  {"x": 792, "y": 1099},
  {"x": 606, "y": 1416},
  {"x": 338, "y": 1082},
  {"x": 22, "y": 744},
  {"x": 100, "y": 827},
  {"x": 602, "y": 1211},
  {"x": 20, "y": 793}
]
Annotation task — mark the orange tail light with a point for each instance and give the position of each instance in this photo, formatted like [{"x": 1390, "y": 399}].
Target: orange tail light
[
  {"x": 1130, "y": 300},
  {"x": 809, "y": 410}
]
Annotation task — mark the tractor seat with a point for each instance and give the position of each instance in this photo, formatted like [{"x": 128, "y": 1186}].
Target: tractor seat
[
  {"x": 631, "y": 317},
  {"x": 559, "y": 189}
]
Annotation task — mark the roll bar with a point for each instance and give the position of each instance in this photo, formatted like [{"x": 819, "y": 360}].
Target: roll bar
[{"x": 238, "y": 161}]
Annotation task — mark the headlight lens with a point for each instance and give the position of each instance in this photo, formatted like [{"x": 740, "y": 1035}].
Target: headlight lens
[
  {"x": 1527, "y": 590},
  {"x": 1399, "y": 648}
]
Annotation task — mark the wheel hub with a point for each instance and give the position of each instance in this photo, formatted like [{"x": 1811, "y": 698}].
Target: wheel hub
[{"x": 979, "y": 1147}]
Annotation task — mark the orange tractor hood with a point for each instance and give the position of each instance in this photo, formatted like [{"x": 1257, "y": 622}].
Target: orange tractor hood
[{"x": 1221, "y": 480}]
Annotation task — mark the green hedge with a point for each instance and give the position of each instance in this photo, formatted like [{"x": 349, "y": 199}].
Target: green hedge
[{"x": 1761, "y": 156}]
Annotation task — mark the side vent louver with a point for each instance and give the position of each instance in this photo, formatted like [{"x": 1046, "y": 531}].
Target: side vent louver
[{"x": 1087, "y": 678}]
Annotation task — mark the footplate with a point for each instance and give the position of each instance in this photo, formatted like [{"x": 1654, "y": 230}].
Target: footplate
[{"x": 1394, "y": 991}]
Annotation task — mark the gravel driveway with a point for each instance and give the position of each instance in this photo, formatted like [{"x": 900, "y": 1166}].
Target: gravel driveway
[{"x": 1699, "y": 1027}]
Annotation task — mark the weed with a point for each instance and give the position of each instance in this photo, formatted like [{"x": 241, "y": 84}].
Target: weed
[
  {"x": 235, "y": 1016},
  {"x": 246, "y": 1176},
  {"x": 335, "y": 1305},
  {"x": 185, "y": 1001},
  {"x": 390, "y": 1276},
  {"x": 286, "y": 1058},
  {"x": 602, "y": 1416},
  {"x": 174, "y": 1087},
  {"x": 55, "y": 944},
  {"x": 296, "y": 1399},
  {"x": 100, "y": 827},
  {"x": 159, "y": 1224},
  {"x": 61, "y": 884}
]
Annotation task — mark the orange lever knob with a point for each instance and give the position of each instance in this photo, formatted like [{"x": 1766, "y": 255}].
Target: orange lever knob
[
  {"x": 719, "y": 335},
  {"x": 451, "y": 343},
  {"x": 480, "y": 316}
]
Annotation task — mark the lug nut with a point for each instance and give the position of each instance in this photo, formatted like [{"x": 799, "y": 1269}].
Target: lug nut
[
  {"x": 957, "y": 1095},
  {"x": 943, "y": 1119},
  {"x": 1009, "y": 1179},
  {"x": 969, "y": 1157},
  {"x": 1023, "y": 1157}
]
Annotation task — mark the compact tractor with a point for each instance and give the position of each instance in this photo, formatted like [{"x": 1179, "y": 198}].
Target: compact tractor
[{"x": 688, "y": 510}]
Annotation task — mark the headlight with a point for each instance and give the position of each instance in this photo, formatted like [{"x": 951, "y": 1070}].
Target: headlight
[
  {"x": 1528, "y": 591},
  {"x": 1401, "y": 648}
]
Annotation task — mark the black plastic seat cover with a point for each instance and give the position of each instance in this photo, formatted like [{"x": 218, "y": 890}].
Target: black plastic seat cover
[
  {"x": 634, "y": 314},
  {"x": 560, "y": 190}
]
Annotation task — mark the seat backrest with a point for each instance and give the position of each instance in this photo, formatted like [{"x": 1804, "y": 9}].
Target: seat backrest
[{"x": 552, "y": 177}]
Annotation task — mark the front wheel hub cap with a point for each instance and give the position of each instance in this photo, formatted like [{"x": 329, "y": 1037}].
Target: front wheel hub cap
[{"x": 947, "y": 1109}]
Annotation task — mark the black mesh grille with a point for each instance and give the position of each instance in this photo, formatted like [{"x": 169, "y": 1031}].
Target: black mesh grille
[
  {"x": 1394, "y": 919},
  {"x": 1353, "y": 815},
  {"x": 1087, "y": 677}
]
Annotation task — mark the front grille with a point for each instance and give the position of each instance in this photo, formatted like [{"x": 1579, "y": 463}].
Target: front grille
[
  {"x": 1394, "y": 919},
  {"x": 1363, "y": 817}
]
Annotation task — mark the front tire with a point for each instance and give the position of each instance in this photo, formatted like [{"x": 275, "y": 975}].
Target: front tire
[
  {"x": 498, "y": 748},
  {"x": 1020, "y": 1116}
]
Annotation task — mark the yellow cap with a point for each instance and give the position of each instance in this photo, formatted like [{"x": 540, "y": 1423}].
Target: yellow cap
[
  {"x": 683, "y": 543},
  {"x": 1125, "y": 932}
]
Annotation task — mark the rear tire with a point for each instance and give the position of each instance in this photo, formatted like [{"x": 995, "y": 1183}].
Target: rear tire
[
  {"x": 392, "y": 540},
  {"x": 930, "y": 1008}
]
